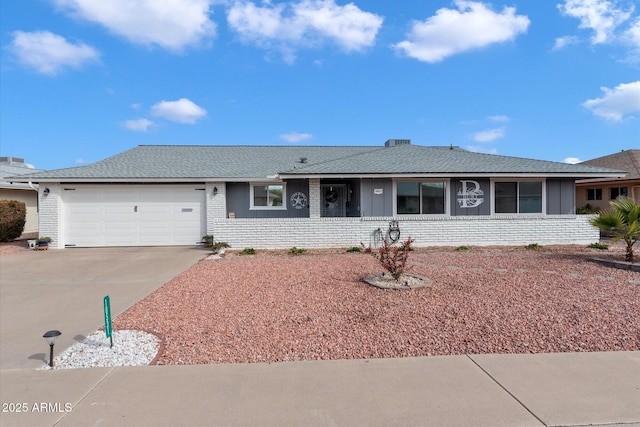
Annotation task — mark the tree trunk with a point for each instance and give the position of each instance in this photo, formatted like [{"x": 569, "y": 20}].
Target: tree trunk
[{"x": 629, "y": 256}]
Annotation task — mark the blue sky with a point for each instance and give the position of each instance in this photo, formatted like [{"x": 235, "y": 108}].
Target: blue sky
[{"x": 82, "y": 80}]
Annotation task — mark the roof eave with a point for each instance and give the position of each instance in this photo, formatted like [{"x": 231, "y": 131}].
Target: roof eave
[{"x": 451, "y": 175}]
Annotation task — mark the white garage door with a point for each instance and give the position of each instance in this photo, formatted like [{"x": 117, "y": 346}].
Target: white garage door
[{"x": 133, "y": 215}]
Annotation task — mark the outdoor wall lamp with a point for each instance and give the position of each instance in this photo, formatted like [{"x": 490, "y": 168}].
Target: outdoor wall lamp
[
  {"x": 51, "y": 337},
  {"x": 46, "y": 192},
  {"x": 215, "y": 191}
]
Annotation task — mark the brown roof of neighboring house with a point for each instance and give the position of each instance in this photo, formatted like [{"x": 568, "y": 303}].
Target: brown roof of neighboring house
[{"x": 626, "y": 160}]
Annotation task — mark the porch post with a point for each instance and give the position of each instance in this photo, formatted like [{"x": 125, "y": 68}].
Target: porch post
[{"x": 314, "y": 198}]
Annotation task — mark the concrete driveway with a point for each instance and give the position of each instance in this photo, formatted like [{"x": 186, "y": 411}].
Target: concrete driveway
[{"x": 64, "y": 290}]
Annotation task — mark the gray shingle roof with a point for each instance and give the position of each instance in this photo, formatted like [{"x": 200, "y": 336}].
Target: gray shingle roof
[
  {"x": 11, "y": 168},
  {"x": 415, "y": 159},
  {"x": 155, "y": 162}
]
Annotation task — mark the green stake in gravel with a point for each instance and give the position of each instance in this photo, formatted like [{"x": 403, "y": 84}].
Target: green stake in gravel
[{"x": 107, "y": 319}]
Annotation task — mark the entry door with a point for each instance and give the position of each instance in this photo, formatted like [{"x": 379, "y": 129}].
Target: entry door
[{"x": 334, "y": 200}]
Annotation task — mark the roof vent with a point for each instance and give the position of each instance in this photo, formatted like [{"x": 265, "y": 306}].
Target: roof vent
[
  {"x": 11, "y": 160},
  {"x": 303, "y": 160},
  {"x": 394, "y": 142}
]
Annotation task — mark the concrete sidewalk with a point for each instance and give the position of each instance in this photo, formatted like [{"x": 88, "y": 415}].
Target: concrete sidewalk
[{"x": 482, "y": 390}]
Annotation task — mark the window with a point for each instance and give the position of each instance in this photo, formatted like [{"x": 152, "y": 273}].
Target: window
[
  {"x": 617, "y": 192},
  {"x": 420, "y": 197},
  {"x": 268, "y": 196},
  {"x": 518, "y": 197},
  {"x": 594, "y": 193}
]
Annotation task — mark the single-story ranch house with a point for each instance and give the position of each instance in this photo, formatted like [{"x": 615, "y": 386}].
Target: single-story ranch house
[
  {"x": 599, "y": 192},
  {"x": 313, "y": 197},
  {"x": 22, "y": 192}
]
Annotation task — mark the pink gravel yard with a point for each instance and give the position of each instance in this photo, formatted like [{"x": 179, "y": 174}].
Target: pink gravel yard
[{"x": 274, "y": 307}]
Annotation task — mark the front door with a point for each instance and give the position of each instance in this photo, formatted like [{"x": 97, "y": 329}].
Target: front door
[{"x": 333, "y": 200}]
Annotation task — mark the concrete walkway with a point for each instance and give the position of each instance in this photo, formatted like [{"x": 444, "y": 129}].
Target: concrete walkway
[{"x": 557, "y": 389}]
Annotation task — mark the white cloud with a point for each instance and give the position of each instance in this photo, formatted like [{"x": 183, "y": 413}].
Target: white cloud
[
  {"x": 572, "y": 160},
  {"x": 50, "y": 53},
  {"x": 632, "y": 37},
  {"x": 171, "y": 24},
  {"x": 481, "y": 149},
  {"x": 288, "y": 27},
  {"x": 633, "y": 33},
  {"x": 138, "y": 125},
  {"x": 295, "y": 137},
  {"x": 601, "y": 16},
  {"x": 564, "y": 41},
  {"x": 489, "y": 135},
  {"x": 622, "y": 100},
  {"x": 181, "y": 111},
  {"x": 499, "y": 118},
  {"x": 472, "y": 26}
]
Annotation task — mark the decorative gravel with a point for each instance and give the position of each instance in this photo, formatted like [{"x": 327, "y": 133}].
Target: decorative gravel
[
  {"x": 130, "y": 348},
  {"x": 275, "y": 307}
]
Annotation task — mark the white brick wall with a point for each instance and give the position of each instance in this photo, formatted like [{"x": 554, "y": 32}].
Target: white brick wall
[
  {"x": 453, "y": 231},
  {"x": 216, "y": 206},
  {"x": 49, "y": 217},
  {"x": 314, "y": 198}
]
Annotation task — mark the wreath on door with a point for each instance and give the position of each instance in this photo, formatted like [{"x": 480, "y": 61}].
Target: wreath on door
[{"x": 331, "y": 196}]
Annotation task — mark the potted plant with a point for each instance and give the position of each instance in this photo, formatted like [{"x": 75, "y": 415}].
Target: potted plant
[
  {"x": 43, "y": 243},
  {"x": 207, "y": 239}
]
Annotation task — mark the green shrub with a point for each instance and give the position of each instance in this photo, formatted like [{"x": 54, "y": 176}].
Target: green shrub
[
  {"x": 463, "y": 248},
  {"x": 216, "y": 246},
  {"x": 297, "y": 251},
  {"x": 533, "y": 246},
  {"x": 598, "y": 246},
  {"x": 587, "y": 210},
  {"x": 13, "y": 216},
  {"x": 248, "y": 251},
  {"x": 354, "y": 249}
]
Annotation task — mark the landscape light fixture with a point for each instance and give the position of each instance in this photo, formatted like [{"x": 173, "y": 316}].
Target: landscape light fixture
[{"x": 51, "y": 337}]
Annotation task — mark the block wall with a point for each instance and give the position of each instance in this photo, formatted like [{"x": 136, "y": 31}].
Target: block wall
[{"x": 451, "y": 231}]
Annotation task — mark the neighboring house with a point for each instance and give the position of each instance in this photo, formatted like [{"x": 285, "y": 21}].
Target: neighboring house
[
  {"x": 23, "y": 192},
  {"x": 313, "y": 197},
  {"x": 598, "y": 192}
]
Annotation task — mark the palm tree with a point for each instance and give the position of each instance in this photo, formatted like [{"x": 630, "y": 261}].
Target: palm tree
[{"x": 622, "y": 221}]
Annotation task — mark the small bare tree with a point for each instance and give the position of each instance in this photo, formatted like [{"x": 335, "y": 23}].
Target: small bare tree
[{"x": 394, "y": 257}]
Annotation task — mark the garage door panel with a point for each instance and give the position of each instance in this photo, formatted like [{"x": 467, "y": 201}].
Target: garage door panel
[
  {"x": 84, "y": 210},
  {"x": 118, "y": 240},
  {"x": 133, "y": 216},
  {"x": 119, "y": 209},
  {"x": 154, "y": 226},
  {"x": 152, "y": 210},
  {"x": 118, "y": 196},
  {"x": 87, "y": 227}
]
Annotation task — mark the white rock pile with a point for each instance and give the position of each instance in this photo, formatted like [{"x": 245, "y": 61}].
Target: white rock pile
[{"x": 130, "y": 348}]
